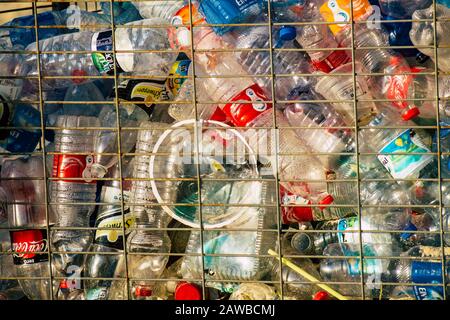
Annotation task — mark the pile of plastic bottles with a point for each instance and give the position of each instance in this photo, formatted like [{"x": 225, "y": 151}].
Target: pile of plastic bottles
[{"x": 212, "y": 149}]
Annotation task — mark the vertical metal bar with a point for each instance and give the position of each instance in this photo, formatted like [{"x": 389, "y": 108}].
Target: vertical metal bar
[
  {"x": 44, "y": 159},
  {"x": 277, "y": 133},
  {"x": 119, "y": 146},
  {"x": 358, "y": 181},
  {"x": 194, "y": 100},
  {"x": 438, "y": 142}
]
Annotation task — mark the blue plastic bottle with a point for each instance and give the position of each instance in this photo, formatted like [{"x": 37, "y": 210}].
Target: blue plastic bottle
[{"x": 229, "y": 12}]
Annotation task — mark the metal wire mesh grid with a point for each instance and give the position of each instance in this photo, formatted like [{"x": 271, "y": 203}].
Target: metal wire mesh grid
[{"x": 280, "y": 230}]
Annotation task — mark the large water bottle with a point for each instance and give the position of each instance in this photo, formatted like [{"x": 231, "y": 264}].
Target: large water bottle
[
  {"x": 73, "y": 190},
  {"x": 73, "y": 18},
  {"x": 102, "y": 63},
  {"x": 26, "y": 214},
  {"x": 422, "y": 34},
  {"x": 251, "y": 243},
  {"x": 109, "y": 241}
]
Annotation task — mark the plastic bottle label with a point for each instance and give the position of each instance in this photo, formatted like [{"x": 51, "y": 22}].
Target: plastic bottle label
[
  {"x": 73, "y": 166},
  {"x": 241, "y": 114},
  {"x": 334, "y": 60},
  {"x": 22, "y": 139},
  {"x": 295, "y": 214},
  {"x": 113, "y": 219},
  {"x": 28, "y": 242},
  {"x": 348, "y": 224},
  {"x": 148, "y": 91},
  {"x": 427, "y": 272},
  {"x": 402, "y": 166},
  {"x": 339, "y": 11},
  {"x": 104, "y": 61},
  {"x": 371, "y": 266},
  {"x": 397, "y": 86},
  {"x": 10, "y": 88},
  {"x": 179, "y": 68}
]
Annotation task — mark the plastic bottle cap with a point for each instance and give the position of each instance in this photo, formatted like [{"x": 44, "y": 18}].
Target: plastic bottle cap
[
  {"x": 321, "y": 295},
  {"x": 288, "y": 33},
  {"x": 63, "y": 284},
  {"x": 327, "y": 200},
  {"x": 142, "y": 291},
  {"x": 187, "y": 291},
  {"x": 411, "y": 114}
]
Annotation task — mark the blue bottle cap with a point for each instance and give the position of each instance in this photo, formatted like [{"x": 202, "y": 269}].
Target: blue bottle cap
[{"x": 288, "y": 33}]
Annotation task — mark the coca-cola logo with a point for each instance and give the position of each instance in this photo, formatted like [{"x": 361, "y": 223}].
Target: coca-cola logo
[{"x": 28, "y": 248}]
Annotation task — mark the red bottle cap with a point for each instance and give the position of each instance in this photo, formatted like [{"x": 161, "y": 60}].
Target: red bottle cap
[
  {"x": 321, "y": 295},
  {"x": 143, "y": 291},
  {"x": 411, "y": 114},
  {"x": 63, "y": 284},
  {"x": 327, "y": 200},
  {"x": 187, "y": 291}
]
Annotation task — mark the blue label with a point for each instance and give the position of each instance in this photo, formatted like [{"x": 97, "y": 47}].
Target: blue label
[
  {"x": 23, "y": 139},
  {"x": 427, "y": 272},
  {"x": 226, "y": 12},
  {"x": 403, "y": 165}
]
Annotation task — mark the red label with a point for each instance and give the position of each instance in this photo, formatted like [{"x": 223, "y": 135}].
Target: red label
[
  {"x": 29, "y": 241},
  {"x": 73, "y": 166},
  {"x": 335, "y": 59},
  {"x": 241, "y": 114},
  {"x": 295, "y": 214},
  {"x": 397, "y": 86}
]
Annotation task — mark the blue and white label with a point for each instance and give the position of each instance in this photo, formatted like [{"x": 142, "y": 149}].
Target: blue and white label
[
  {"x": 403, "y": 165},
  {"x": 427, "y": 272}
]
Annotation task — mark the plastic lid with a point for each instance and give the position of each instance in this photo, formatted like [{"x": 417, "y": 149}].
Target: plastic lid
[
  {"x": 187, "y": 291},
  {"x": 411, "y": 114},
  {"x": 63, "y": 284},
  {"x": 142, "y": 291},
  {"x": 288, "y": 33},
  {"x": 321, "y": 295}
]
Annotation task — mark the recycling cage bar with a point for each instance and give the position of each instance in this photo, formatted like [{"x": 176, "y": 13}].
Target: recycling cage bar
[{"x": 9, "y": 10}]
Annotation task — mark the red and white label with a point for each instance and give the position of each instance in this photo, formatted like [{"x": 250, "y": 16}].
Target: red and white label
[
  {"x": 241, "y": 114},
  {"x": 295, "y": 214},
  {"x": 335, "y": 59},
  {"x": 397, "y": 86},
  {"x": 73, "y": 166},
  {"x": 29, "y": 242}
]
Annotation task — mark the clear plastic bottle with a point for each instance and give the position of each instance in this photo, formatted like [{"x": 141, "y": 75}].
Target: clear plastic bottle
[
  {"x": 73, "y": 18},
  {"x": 258, "y": 62},
  {"x": 420, "y": 272},
  {"x": 340, "y": 88},
  {"x": 315, "y": 243},
  {"x": 109, "y": 216},
  {"x": 386, "y": 142},
  {"x": 83, "y": 92},
  {"x": 27, "y": 217},
  {"x": 348, "y": 268},
  {"x": 422, "y": 34},
  {"x": 102, "y": 63},
  {"x": 319, "y": 120},
  {"x": 76, "y": 147},
  {"x": 318, "y": 36},
  {"x": 152, "y": 244},
  {"x": 397, "y": 84},
  {"x": 233, "y": 268}
]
